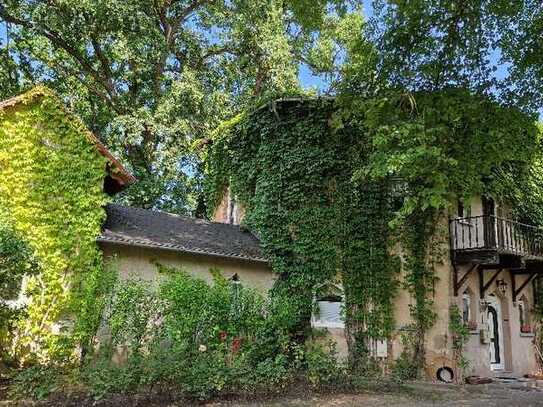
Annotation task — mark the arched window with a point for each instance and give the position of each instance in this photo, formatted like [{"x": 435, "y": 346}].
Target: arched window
[
  {"x": 328, "y": 308},
  {"x": 466, "y": 308},
  {"x": 524, "y": 315}
]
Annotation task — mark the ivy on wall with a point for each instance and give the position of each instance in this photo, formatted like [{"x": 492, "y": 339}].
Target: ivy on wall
[
  {"x": 334, "y": 188},
  {"x": 442, "y": 146},
  {"x": 293, "y": 173},
  {"x": 51, "y": 188}
]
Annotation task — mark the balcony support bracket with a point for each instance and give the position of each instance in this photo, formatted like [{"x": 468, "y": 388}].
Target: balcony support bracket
[
  {"x": 483, "y": 287},
  {"x": 459, "y": 283},
  {"x": 516, "y": 291}
]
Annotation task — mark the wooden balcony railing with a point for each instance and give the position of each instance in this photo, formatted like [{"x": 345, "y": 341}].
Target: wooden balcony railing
[{"x": 488, "y": 232}]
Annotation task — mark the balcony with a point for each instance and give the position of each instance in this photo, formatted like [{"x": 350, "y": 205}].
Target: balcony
[{"x": 488, "y": 239}]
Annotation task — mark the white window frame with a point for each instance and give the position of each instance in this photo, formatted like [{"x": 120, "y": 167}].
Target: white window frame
[{"x": 316, "y": 322}]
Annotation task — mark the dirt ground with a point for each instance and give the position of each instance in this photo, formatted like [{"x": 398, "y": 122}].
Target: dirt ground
[
  {"x": 418, "y": 394},
  {"x": 414, "y": 394}
]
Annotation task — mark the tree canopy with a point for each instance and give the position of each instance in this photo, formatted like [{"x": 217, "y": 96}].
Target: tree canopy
[
  {"x": 489, "y": 47},
  {"x": 152, "y": 76}
]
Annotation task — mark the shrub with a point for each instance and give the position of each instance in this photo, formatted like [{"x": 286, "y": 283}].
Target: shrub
[
  {"x": 199, "y": 337},
  {"x": 16, "y": 260},
  {"x": 321, "y": 363},
  {"x": 36, "y": 382}
]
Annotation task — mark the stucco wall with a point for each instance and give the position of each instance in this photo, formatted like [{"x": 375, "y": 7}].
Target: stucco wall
[
  {"x": 138, "y": 263},
  {"x": 438, "y": 342},
  {"x": 518, "y": 348},
  {"x": 519, "y": 352}
]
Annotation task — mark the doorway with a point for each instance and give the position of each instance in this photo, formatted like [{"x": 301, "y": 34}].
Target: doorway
[
  {"x": 495, "y": 333},
  {"x": 489, "y": 219}
]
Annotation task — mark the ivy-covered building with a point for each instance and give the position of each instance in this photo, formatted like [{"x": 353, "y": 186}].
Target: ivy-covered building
[
  {"x": 55, "y": 178},
  {"x": 56, "y": 184},
  {"x": 418, "y": 270},
  {"x": 454, "y": 287}
]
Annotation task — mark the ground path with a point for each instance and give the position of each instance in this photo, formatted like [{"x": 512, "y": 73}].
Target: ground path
[{"x": 411, "y": 395}]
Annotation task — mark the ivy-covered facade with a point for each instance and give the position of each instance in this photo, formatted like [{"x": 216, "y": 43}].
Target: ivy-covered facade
[
  {"x": 423, "y": 208},
  {"x": 406, "y": 226},
  {"x": 55, "y": 178}
]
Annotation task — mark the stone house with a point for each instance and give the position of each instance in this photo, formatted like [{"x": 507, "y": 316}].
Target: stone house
[{"x": 490, "y": 273}]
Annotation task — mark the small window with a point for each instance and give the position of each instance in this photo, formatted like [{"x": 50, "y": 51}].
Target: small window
[
  {"x": 524, "y": 316},
  {"x": 466, "y": 308},
  {"x": 398, "y": 193},
  {"x": 328, "y": 313}
]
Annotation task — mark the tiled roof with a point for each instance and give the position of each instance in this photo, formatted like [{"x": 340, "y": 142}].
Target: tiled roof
[{"x": 161, "y": 230}]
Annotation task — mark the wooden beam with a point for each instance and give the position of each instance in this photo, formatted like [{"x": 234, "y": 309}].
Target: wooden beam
[
  {"x": 516, "y": 291},
  {"x": 484, "y": 287},
  {"x": 459, "y": 283}
]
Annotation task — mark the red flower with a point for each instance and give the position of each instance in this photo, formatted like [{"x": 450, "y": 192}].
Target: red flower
[{"x": 236, "y": 345}]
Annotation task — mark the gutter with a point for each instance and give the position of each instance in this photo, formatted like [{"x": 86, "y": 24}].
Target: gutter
[{"x": 177, "y": 249}]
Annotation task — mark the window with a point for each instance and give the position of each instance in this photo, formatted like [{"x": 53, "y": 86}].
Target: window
[
  {"x": 463, "y": 209},
  {"x": 328, "y": 313},
  {"x": 466, "y": 308},
  {"x": 398, "y": 192},
  {"x": 524, "y": 316}
]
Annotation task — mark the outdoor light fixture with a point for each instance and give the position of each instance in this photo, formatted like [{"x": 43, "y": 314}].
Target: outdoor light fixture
[{"x": 502, "y": 286}]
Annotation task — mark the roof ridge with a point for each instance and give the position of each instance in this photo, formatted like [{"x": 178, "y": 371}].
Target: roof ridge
[{"x": 176, "y": 215}]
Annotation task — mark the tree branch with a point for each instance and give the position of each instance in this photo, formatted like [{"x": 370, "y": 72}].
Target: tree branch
[{"x": 60, "y": 43}]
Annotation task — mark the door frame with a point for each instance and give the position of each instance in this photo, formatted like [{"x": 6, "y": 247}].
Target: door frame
[{"x": 495, "y": 302}]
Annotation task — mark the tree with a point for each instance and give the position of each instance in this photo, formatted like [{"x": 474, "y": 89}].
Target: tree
[
  {"x": 152, "y": 76},
  {"x": 490, "y": 47},
  {"x": 522, "y": 44},
  {"x": 16, "y": 261}
]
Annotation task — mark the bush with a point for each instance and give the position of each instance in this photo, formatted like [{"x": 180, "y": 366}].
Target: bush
[
  {"x": 16, "y": 261},
  {"x": 202, "y": 338},
  {"x": 36, "y": 382},
  {"x": 194, "y": 338},
  {"x": 322, "y": 367}
]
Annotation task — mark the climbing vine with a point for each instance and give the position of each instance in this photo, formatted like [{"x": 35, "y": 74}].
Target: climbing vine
[
  {"x": 460, "y": 336},
  {"x": 442, "y": 146},
  {"x": 294, "y": 173},
  {"x": 51, "y": 187},
  {"x": 340, "y": 189}
]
